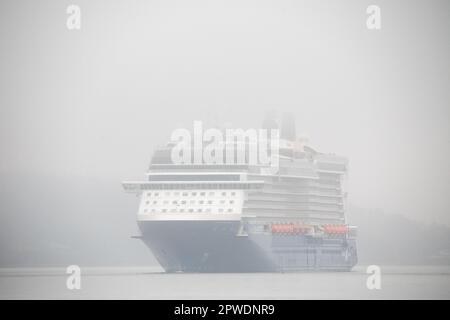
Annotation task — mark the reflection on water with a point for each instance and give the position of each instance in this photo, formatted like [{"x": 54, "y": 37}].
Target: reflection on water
[{"x": 397, "y": 282}]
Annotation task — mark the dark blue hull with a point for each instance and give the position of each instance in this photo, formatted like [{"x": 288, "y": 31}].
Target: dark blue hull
[{"x": 222, "y": 246}]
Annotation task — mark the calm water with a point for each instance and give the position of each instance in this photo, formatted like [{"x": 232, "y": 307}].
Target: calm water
[{"x": 149, "y": 283}]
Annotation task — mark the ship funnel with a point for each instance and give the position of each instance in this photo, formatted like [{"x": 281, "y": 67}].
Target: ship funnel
[
  {"x": 288, "y": 127},
  {"x": 270, "y": 121}
]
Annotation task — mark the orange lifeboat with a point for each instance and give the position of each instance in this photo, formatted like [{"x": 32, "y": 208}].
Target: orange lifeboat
[
  {"x": 335, "y": 228},
  {"x": 289, "y": 228}
]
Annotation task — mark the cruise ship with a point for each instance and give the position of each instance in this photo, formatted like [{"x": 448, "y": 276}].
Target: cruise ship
[{"x": 242, "y": 217}]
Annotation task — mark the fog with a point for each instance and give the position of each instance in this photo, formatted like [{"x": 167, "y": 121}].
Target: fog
[{"x": 82, "y": 110}]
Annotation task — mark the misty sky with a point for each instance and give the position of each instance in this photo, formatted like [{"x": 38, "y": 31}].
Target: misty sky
[{"x": 95, "y": 102}]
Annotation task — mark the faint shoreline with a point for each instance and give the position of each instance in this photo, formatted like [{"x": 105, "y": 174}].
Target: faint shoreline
[{"x": 132, "y": 271}]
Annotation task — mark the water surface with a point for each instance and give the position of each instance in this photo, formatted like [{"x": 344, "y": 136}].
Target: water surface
[{"x": 397, "y": 282}]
